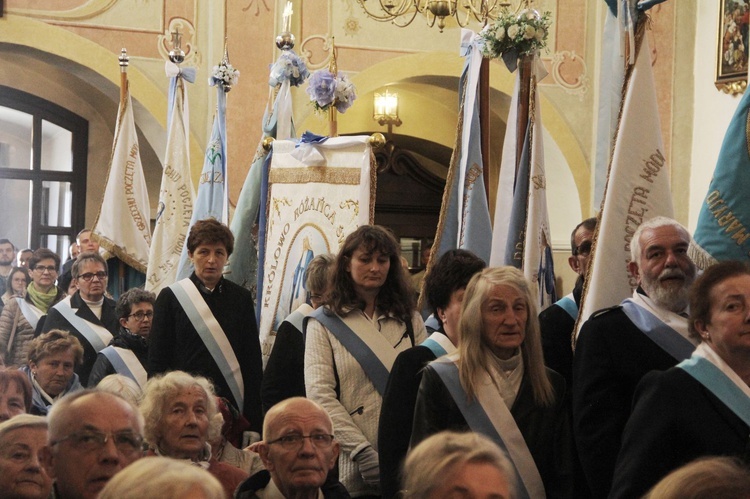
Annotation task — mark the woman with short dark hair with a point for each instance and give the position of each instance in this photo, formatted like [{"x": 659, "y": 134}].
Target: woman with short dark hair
[
  {"x": 21, "y": 315},
  {"x": 127, "y": 353},
  {"x": 701, "y": 407},
  {"x": 205, "y": 324}
]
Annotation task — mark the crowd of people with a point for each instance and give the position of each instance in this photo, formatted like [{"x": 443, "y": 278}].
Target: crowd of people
[{"x": 142, "y": 396}]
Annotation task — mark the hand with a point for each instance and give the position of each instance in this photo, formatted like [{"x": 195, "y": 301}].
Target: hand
[{"x": 369, "y": 466}]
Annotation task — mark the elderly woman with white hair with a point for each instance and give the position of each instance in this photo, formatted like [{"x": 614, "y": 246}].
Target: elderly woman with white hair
[
  {"x": 178, "y": 410},
  {"x": 162, "y": 478},
  {"x": 21, "y": 473},
  {"x": 450, "y": 462},
  {"x": 497, "y": 385}
]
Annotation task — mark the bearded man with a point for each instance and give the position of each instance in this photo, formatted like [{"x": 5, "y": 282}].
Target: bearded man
[{"x": 618, "y": 346}]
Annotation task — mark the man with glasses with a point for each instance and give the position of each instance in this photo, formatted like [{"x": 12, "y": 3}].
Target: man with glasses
[
  {"x": 298, "y": 450},
  {"x": 87, "y": 314},
  {"x": 92, "y": 436},
  {"x": 558, "y": 320},
  {"x": 127, "y": 353}
]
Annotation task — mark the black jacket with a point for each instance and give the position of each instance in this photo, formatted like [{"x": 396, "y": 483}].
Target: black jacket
[
  {"x": 612, "y": 355},
  {"x": 332, "y": 489},
  {"x": 55, "y": 320},
  {"x": 397, "y": 415},
  {"x": 284, "y": 376},
  {"x": 546, "y": 430},
  {"x": 129, "y": 341},
  {"x": 174, "y": 344},
  {"x": 675, "y": 420}
]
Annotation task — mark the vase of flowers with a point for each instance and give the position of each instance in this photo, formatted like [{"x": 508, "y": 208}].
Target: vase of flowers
[{"x": 515, "y": 35}]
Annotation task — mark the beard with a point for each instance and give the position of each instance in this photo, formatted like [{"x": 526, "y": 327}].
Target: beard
[
  {"x": 5, "y": 263},
  {"x": 668, "y": 293}
]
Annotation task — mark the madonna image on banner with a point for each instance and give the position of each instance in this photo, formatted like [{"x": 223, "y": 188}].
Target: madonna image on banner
[{"x": 318, "y": 193}]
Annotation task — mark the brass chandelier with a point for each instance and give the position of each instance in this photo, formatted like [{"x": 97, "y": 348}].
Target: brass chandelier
[{"x": 403, "y": 12}]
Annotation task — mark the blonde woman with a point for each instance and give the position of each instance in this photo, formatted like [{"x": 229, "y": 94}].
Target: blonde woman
[{"x": 496, "y": 384}]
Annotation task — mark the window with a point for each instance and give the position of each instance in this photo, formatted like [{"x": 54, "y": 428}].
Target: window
[{"x": 43, "y": 150}]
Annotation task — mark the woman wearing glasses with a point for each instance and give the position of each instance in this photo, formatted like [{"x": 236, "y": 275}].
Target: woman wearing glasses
[
  {"x": 87, "y": 314},
  {"x": 178, "y": 410},
  {"x": 21, "y": 315},
  {"x": 52, "y": 360},
  {"x": 127, "y": 353}
]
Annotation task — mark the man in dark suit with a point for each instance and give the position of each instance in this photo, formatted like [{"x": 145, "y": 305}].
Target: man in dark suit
[
  {"x": 619, "y": 345},
  {"x": 87, "y": 314},
  {"x": 558, "y": 320}
]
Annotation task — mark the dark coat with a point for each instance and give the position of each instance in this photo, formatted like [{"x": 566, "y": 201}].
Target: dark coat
[
  {"x": 174, "y": 344},
  {"x": 103, "y": 367},
  {"x": 546, "y": 430},
  {"x": 556, "y": 326},
  {"x": 55, "y": 320},
  {"x": 611, "y": 357},
  {"x": 284, "y": 376},
  {"x": 675, "y": 420},
  {"x": 397, "y": 415},
  {"x": 332, "y": 489}
]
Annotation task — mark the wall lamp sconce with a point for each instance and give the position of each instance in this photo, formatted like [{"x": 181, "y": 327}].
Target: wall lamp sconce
[{"x": 385, "y": 109}]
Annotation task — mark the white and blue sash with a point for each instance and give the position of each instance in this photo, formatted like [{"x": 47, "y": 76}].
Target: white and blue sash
[
  {"x": 439, "y": 344},
  {"x": 97, "y": 336},
  {"x": 657, "y": 331},
  {"x": 30, "y": 312},
  {"x": 297, "y": 317},
  {"x": 364, "y": 342},
  {"x": 212, "y": 335},
  {"x": 488, "y": 414},
  {"x": 126, "y": 363},
  {"x": 568, "y": 303},
  {"x": 718, "y": 383}
]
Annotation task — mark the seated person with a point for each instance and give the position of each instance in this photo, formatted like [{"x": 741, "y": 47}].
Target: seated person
[
  {"x": 724, "y": 477},
  {"x": 21, "y": 474},
  {"x": 15, "y": 393},
  {"x": 299, "y": 451}
]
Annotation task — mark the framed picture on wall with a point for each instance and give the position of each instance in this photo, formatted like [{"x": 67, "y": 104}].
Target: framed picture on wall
[{"x": 732, "y": 46}]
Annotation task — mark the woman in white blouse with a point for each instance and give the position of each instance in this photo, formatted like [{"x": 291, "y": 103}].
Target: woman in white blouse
[{"x": 351, "y": 342}]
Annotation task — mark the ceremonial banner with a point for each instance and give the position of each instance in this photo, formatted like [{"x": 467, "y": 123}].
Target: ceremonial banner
[
  {"x": 212, "y": 199},
  {"x": 123, "y": 222},
  {"x": 288, "y": 71},
  {"x": 637, "y": 188},
  {"x": 723, "y": 231},
  {"x": 318, "y": 193},
  {"x": 464, "y": 216},
  {"x": 521, "y": 235},
  {"x": 175, "y": 198}
]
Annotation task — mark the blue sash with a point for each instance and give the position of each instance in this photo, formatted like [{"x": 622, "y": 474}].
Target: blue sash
[
  {"x": 437, "y": 345},
  {"x": 126, "y": 363},
  {"x": 98, "y": 336},
  {"x": 476, "y": 415},
  {"x": 371, "y": 364},
  {"x": 432, "y": 323},
  {"x": 297, "y": 317},
  {"x": 30, "y": 312},
  {"x": 710, "y": 376},
  {"x": 568, "y": 304},
  {"x": 654, "y": 328},
  {"x": 212, "y": 335}
]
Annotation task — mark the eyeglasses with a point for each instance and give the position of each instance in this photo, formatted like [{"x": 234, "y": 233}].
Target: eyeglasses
[
  {"x": 583, "y": 249},
  {"x": 49, "y": 268},
  {"x": 140, "y": 315},
  {"x": 89, "y": 276},
  {"x": 126, "y": 442},
  {"x": 294, "y": 441}
]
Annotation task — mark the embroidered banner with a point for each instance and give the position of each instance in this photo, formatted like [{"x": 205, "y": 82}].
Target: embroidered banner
[{"x": 318, "y": 193}]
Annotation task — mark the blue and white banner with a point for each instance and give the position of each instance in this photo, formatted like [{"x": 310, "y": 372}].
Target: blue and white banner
[
  {"x": 176, "y": 195},
  {"x": 317, "y": 194}
]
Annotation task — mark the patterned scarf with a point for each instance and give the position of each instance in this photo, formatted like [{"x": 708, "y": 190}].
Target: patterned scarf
[{"x": 42, "y": 301}]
